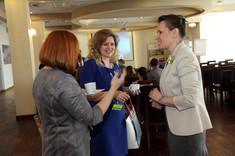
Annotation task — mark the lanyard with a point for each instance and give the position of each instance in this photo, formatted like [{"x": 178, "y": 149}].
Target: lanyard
[{"x": 111, "y": 71}]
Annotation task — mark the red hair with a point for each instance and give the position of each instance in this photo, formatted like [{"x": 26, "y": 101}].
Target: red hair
[{"x": 60, "y": 50}]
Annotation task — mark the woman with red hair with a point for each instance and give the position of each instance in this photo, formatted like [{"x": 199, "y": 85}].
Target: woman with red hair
[{"x": 62, "y": 106}]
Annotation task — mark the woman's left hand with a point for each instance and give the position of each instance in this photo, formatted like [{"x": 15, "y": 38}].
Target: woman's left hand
[
  {"x": 155, "y": 94},
  {"x": 156, "y": 105}
]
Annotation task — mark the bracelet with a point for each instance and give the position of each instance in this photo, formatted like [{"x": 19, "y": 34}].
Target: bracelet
[{"x": 160, "y": 99}]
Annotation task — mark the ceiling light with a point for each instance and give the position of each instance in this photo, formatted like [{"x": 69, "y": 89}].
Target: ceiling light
[
  {"x": 114, "y": 18},
  {"x": 192, "y": 25},
  {"x": 32, "y": 32}
]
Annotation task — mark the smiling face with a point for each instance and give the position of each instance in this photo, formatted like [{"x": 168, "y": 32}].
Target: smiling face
[
  {"x": 164, "y": 36},
  {"x": 107, "y": 49}
]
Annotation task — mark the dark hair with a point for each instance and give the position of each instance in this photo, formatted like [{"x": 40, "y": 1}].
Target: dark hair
[
  {"x": 154, "y": 62},
  {"x": 143, "y": 72},
  {"x": 129, "y": 70},
  {"x": 60, "y": 50},
  {"x": 121, "y": 61},
  {"x": 174, "y": 21},
  {"x": 96, "y": 42}
]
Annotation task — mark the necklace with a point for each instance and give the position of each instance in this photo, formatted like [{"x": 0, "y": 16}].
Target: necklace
[
  {"x": 109, "y": 69},
  {"x": 110, "y": 65}
]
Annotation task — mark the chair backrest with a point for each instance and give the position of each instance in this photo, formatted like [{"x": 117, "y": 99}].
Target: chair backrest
[
  {"x": 226, "y": 73},
  {"x": 211, "y": 62},
  {"x": 222, "y": 63},
  {"x": 228, "y": 60},
  {"x": 208, "y": 75},
  {"x": 203, "y": 64},
  {"x": 148, "y": 82},
  {"x": 151, "y": 115}
]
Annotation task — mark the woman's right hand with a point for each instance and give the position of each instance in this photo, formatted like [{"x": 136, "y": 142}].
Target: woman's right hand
[
  {"x": 121, "y": 96},
  {"x": 155, "y": 94},
  {"x": 116, "y": 82}
]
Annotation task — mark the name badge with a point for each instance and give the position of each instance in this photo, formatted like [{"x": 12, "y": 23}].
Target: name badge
[{"x": 117, "y": 107}]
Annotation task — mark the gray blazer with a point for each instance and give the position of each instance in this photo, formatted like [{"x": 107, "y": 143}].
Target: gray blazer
[
  {"x": 65, "y": 114},
  {"x": 182, "y": 80}
]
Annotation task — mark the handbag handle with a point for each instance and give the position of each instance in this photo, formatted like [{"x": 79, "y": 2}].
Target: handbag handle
[{"x": 129, "y": 109}]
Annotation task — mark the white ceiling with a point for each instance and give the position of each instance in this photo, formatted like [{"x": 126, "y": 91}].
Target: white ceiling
[{"x": 115, "y": 14}]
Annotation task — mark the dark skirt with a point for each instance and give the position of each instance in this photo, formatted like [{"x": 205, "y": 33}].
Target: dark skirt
[{"x": 193, "y": 145}]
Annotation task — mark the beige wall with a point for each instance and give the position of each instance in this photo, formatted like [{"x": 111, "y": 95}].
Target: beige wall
[
  {"x": 141, "y": 39},
  {"x": 38, "y": 40},
  {"x": 83, "y": 40},
  {"x": 193, "y": 33}
]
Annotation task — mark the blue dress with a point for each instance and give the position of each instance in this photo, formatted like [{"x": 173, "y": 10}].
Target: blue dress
[{"x": 109, "y": 138}]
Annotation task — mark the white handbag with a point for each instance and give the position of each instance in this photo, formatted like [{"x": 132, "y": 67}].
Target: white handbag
[{"x": 134, "y": 132}]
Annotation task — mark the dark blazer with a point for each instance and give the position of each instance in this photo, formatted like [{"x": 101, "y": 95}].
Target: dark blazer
[{"x": 65, "y": 114}]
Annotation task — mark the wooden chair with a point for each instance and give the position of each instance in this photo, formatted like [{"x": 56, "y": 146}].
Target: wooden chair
[
  {"x": 203, "y": 64},
  {"x": 127, "y": 83},
  {"x": 233, "y": 97},
  {"x": 137, "y": 98},
  {"x": 222, "y": 63},
  {"x": 211, "y": 62},
  {"x": 208, "y": 80},
  {"x": 154, "y": 121},
  {"x": 148, "y": 82},
  {"x": 225, "y": 83},
  {"x": 228, "y": 60}
]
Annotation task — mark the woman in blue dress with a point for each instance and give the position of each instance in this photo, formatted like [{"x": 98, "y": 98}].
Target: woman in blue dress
[{"x": 108, "y": 138}]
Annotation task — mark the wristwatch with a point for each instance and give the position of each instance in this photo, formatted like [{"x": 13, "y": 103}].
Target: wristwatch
[{"x": 160, "y": 99}]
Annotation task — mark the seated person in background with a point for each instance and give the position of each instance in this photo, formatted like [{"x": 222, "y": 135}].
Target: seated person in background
[
  {"x": 141, "y": 73},
  {"x": 155, "y": 72},
  {"x": 121, "y": 64},
  {"x": 130, "y": 74}
]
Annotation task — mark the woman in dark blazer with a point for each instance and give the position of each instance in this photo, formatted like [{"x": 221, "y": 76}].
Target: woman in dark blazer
[
  {"x": 181, "y": 91},
  {"x": 62, "y": 106}
]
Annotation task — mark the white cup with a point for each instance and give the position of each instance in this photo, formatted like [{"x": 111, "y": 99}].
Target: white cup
[
  {"x": 90, "y": 87},
  {"x": 134, "y": 87}
]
